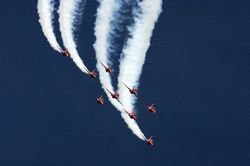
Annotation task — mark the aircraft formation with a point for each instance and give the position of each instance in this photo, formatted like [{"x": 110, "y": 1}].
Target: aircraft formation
[
  {"x": 133, "y": 91},
  {"x": 133, "y": 54}
]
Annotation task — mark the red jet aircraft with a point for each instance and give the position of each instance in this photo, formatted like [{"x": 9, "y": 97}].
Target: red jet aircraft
[
  {"x": 151, "y": 108},
  {"x": 114, "y": 95},
  {"x": 132, "y": 115},
  {"x": 100, "y": 100},
  {"x": 150, "y": 141},
  {"x": 92, "y": 74},
  {"x": 132, "y": 90},
  {"x": 65, "y": 53},
  {"x": 107, "y": 69}
]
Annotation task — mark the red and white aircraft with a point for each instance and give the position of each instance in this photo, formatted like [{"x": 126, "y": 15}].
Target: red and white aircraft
[
  {"x": 150, "y": 141},
  {"x": 132, "y": 90},
  {"x": 132, "y": 115},
  {"x": 100, "y": 100},
  {"x": 114, "y": 95},
  {"x": 151, "y": 108},
  {"x": 65, "y": 53},
  {"x": 107, "y": 69},
  {"x": 92, "y": 74}
]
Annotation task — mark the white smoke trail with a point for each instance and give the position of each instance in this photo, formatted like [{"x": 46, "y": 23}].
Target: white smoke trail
[
  {"x": 135, "y": 50},
  {"x": 45, "y": 10},
  {"x": 68, "y": 16},
  {"x": 105, "y": 13}
]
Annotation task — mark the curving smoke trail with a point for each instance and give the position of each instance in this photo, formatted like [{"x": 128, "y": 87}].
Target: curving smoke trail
[
  {"x": 45, "y": 10},
  {"x": 69, "y": 12},
  {"x": 134, "y": 52},
  {"x": 105, "y": 13}
]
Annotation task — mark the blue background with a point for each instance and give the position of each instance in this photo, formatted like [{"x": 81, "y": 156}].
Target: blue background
[{"x": 196, "y": 72}]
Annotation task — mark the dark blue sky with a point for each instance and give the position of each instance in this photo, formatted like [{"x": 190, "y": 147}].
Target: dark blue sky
[{"x": 197, "y": 72}]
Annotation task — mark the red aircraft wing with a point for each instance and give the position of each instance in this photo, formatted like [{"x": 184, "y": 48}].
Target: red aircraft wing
[
  {"x": 150, "y": 141},
  {"x": 66, "y": 53},
  {"x": 114, "y": 95},
  {"x": 132, "y": 115},
  {"x": 100, "y": 100},
  {"x": 107, "y": 69},
  {"x": 152, "y": 108},
  {"x": 132, "y": 90},
  {"x": 93, "y": 74}
]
